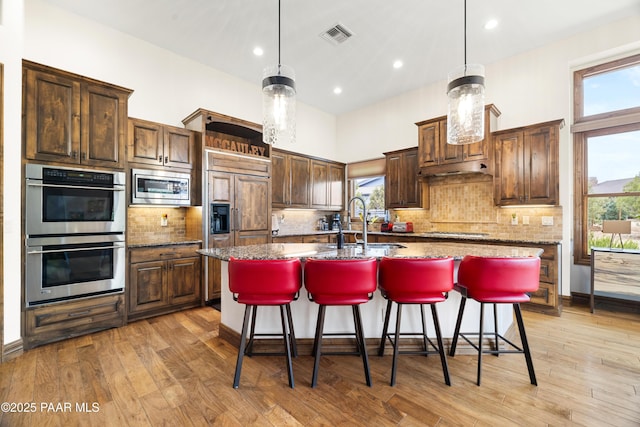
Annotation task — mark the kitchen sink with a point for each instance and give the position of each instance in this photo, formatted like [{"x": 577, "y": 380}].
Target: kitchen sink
[{"x": 370, "y": 245}]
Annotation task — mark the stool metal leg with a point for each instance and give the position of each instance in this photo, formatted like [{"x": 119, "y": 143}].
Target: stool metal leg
[
  {"x": 456, "y": 333},
  {"x": 243, "y": 341},
  {"x": 396, "y": 344},
  {"x": 287, "y": 344},
  {"x": 443, "y": 357},
  {"x": 385, "y": 329},
  {"x": 525, "y": 344},
  {"x": 292, "y": 334},
  {"x": 249, "y": 349},
  {"x": 363, "y": 347},
  {"x": 480, "y": 342},
  {"x": 425, "y": 341},
  {"x": 495, "y": 329},
  {"x": 317, "y": 344}
]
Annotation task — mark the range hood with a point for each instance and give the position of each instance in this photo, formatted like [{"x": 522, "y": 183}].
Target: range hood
[{"x": 469, "y": 167}]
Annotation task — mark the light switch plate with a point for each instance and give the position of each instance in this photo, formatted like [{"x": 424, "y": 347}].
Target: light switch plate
[
  {"x": 547, "y": 220},
  {"x": 525, "y": 220}
]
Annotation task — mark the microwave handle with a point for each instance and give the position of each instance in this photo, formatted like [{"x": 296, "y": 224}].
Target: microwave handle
[
  {"x": 81, "y": 187},
  {"x": 73, "y": 250}
]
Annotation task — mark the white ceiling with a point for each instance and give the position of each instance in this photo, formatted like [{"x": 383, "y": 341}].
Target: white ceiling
[{"x": 427, "y": 35}]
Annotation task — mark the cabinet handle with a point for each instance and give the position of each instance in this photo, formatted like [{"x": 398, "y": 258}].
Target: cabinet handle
[
  {"x": 84, "y": 156},
  {"x": 74, "y": 154},
  {"x": 166, "y": 159},
  {"x": 160, "y": 159},
  {"x": 79, "y": 313}
]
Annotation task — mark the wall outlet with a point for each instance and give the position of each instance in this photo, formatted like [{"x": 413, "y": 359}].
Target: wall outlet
[
  {"x": 164, "y": 219},
  {"x": 547, "y": 220},
  {"x": 525, "y": 220}
]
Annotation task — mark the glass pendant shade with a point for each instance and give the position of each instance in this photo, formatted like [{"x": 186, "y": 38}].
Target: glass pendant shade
[
  {"x": 465, "y": 117},
  {"x": 278, "y": 105}
]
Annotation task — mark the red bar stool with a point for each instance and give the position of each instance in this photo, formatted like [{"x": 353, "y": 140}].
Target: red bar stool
[
  {"x": 340, "y": 282},
  {"x": 415, "y": 281},
  {"x": 497, "y": 281},
  {"x": 265, "y": 283}
]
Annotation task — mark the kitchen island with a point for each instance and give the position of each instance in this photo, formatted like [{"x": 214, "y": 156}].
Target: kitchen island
[{"x": 304, "y": 312}]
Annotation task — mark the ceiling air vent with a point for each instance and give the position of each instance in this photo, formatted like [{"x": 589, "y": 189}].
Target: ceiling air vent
[{"x": 337, "y": 34}]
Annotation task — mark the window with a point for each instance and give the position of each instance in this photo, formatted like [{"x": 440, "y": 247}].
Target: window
[
  {"x": 372, "y": 191},
  {"x": 366, "y": 179},
  {"x": 607, "y": 153}
]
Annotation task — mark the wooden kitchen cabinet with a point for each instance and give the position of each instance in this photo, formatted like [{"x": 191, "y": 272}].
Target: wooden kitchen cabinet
[
  {"x": 403, "y": 188},
  {"x": 59, "y": 321},
  {"x": 73, "y": 119},
  {"x": 290, "y": 180},
  {"x": 156, "y": 144},
  {"x": 250, "y": 219},
  {"x": 327, "y": 185},
  {"x": 303, "y": 182},
  {"x": 526, "y": 165},
  {"x": 435, "y": 156},
  {"x": 163, "y": 279}
]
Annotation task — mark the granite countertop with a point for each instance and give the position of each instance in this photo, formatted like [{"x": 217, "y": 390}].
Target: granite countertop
[
  {"x": 441, "y": 235},
  {"x": 377, "y": 250},
  {"x": 158, "y": 244}
]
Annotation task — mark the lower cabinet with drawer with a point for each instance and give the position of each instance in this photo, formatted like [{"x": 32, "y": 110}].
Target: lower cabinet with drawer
[
  {"x": 548, "y": 298},
  {"x": 163, "y": 279},
  {"x": 58, "y": 321}
]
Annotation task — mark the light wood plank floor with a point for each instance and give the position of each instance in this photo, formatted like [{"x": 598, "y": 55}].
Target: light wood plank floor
[{"x": 174, "y": 370}]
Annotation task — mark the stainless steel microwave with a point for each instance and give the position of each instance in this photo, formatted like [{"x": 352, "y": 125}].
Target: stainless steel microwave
[{"x": 158, "y": 187}]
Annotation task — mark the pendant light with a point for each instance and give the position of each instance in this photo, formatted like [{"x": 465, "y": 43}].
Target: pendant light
[
  {"x": 465, "y": 90},
  {"x": 278, "y": 101}
]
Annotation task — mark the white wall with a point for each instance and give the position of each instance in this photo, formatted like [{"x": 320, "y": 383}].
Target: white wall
[
  {"x": 528, "y": 88},
  {"x": 11, "y": 57}
]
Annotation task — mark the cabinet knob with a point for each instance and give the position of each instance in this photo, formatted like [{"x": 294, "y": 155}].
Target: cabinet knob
[
  {"x": 74, "y": 154},
  {"x": 166, "y": 159},
  {"x": 84, "y": 156},
  {"x": 160, "y": 159}
]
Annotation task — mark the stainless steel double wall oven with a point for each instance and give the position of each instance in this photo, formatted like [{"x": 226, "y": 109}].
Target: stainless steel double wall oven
[{"x": 75, "y": 224}]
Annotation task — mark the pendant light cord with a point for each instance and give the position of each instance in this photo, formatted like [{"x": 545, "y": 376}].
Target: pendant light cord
[
  {"x": 465, "y": 37},
  {"x": 279, "y": 15}
]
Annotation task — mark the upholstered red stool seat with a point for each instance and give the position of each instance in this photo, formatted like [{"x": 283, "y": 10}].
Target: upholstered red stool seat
[
  {"x": 338, "y": 282},
  {"x": 415, "y": 281},
  {"x": 497, "y": 281},
  {"x": 265, "y": 283}
]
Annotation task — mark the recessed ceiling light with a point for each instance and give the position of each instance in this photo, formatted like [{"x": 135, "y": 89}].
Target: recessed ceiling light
[
  {"x": 397, "y": 64},
  {"x": 257, "y": 51},
  {"x": 491, "y": 24},
  {"x": 337, "y": 90}
]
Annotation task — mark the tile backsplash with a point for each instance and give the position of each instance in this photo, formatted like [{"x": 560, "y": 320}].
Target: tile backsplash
[
  {"x": 144, "y": 224},
  {"x": 462, "y": 203}
]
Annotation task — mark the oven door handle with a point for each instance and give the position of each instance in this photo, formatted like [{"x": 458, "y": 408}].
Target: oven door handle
[
  {"x": 81, "y": 187},
  {"x": 73, "y": 250}
]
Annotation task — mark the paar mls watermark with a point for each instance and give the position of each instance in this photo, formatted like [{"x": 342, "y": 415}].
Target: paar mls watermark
[{"x": 49, "y": 407}]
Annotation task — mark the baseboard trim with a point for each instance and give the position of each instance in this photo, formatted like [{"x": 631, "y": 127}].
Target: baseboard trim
[{"x": 12, "y": 350}]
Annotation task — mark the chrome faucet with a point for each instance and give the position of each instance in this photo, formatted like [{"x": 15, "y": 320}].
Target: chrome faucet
[{"x": 364, "y": 219}]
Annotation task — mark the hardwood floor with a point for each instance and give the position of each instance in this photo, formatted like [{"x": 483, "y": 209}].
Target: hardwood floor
[{"x": 174, "y": 370}]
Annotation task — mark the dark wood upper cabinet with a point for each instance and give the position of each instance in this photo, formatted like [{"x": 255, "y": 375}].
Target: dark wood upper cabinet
[
  {"x": 526, "y": 165},
  {"x": 403, "y": 188},
  {"x": 436, "y": 156},
  {"x": 156, "y": 144},
  {"x": 73, "y": 119},
  {"x": 299, "y": 181}
]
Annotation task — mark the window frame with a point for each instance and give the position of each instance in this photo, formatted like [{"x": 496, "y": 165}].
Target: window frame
[{"x": 613, "y": 122}]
